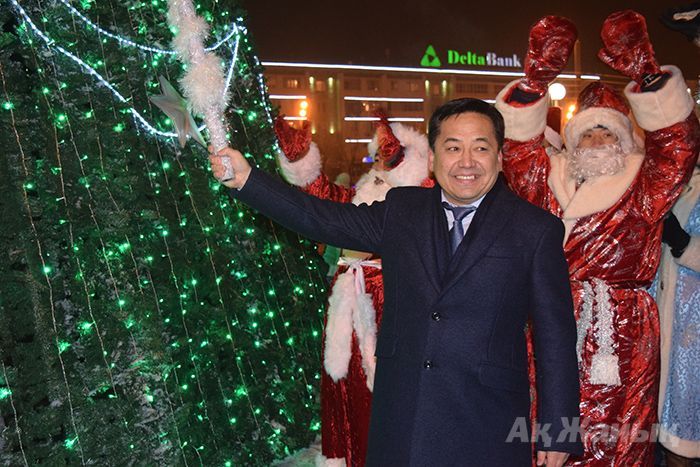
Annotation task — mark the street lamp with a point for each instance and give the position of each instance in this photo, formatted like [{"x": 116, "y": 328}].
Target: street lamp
[{"x": 557, "y": 91}]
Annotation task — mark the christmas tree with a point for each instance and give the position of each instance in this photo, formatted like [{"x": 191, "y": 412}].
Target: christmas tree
[{"x": 145, "y": 317}]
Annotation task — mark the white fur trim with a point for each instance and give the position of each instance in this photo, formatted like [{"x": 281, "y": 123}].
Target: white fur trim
[
  {"x": 611, "y": 119},
  {"x": 595, "y": 195},
  {"x": 605, "y": 365},
  {"x": 665, "y": 298},
  {"x": 338, "y": 348},
  {"x": 323, "y": 461},
  {"x": 605, "y": 369},
  {"x": 691, "y": 256},
  {"x": 553, "y": 138},
  {"x": 660, "y": 109},
  {"x": 303, "y": 171},
  {"x": 682, "y": 447},
  {"x": 365, "y": 323},
  {"x": 414, "y": 167},
  {"x": 350, "y": 309},
  {"x": 522, "y": 123},
  {"x": 372, "y": 186}
]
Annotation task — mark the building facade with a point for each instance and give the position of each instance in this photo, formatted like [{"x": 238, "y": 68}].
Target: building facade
[{"x": 340, "y": 100}]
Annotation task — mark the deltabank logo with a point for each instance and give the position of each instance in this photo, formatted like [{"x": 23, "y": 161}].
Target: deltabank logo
[{"x": 430, "y": 58}]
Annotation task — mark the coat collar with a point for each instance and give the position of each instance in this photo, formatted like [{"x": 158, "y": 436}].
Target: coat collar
[{"x": 592, "y": 196}]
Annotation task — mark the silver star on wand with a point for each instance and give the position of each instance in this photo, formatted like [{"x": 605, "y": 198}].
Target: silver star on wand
[{"x": 175, "y": 107}]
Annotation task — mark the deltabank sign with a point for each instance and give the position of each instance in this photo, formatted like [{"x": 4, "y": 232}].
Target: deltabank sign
[
  {"x": 469, "y": 58},
  {"x": 430, "y": 58}
]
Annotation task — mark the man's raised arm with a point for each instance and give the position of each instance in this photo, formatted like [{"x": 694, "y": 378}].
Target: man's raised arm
[{"x": 341, "y": 224}]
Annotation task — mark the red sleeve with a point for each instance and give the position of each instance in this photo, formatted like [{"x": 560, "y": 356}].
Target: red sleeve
[
  {"x": 671, "y": 154},
  {"x": 526, "y": 168},
  {"x": 323, "y": 188}
]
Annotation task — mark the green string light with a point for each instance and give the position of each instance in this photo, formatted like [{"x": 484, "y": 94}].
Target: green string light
[{"x": 160, "y": 293}]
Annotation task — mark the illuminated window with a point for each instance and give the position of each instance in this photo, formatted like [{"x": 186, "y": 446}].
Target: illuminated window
[
  {"x": 291, "y": 83},
  {"x": 413, "y": 86},
  {"x": 320, "y": 86}
]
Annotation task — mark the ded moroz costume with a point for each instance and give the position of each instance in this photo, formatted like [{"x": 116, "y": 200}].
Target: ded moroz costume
[{"x": 613, "y": 220}]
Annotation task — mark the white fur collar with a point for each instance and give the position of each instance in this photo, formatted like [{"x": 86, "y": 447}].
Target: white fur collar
[
  {"x": 372, "y": 186},
  {"x": 592, "y": 196}
]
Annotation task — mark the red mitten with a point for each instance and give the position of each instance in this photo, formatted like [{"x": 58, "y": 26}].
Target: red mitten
[
  {"x": 295, "y": 143},
  {"x": 626, "y": 46},
  {"x": 552, "y": 39}
]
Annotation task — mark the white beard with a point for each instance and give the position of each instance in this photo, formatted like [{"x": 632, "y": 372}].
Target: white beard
[{"x": 587, "y": 163}]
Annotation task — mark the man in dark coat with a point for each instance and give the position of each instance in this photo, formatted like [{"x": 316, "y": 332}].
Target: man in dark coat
[{"x": 451, "y": 383}]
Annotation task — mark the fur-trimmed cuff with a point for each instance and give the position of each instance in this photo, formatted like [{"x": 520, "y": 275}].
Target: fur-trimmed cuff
[
  {"x": 660, "y": 109},
  {"x": 691, "y": 256},
  {"x": 305, "y": 170},
  {"x": 523, "y": 122}
]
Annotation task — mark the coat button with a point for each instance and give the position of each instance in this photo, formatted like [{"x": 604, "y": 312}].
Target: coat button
[
  {"x": 661, "y": 285},
  {"x": 427, "y": 364},
  {"x": 436, "y": 316}
]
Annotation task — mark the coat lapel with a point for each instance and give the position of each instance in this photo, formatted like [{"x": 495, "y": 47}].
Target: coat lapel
[
  {"x": 439, "y": 236},
  {"x": 491, "y": 217},
  {"x": 433, "y": 243}
]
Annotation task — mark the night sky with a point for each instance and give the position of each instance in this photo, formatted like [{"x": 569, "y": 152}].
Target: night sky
[{"x": 393, "y": 32}]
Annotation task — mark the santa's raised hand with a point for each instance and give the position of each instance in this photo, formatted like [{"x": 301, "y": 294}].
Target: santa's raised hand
[
  {"x": 627, "y": 48},
  {"x": 550, "y": 44}
]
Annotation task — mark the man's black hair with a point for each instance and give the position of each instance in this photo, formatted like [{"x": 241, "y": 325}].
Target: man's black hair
[{"x": 464, "y": 105}]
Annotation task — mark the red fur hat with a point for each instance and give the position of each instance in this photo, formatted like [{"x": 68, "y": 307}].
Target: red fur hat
[
  {"x": 294, "y": 143},
  {"x": 389, "y": 151},
  {"x": 600, "y": 105}
]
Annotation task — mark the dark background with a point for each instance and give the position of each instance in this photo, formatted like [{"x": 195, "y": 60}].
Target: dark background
[{"x": 397, "y": 32}]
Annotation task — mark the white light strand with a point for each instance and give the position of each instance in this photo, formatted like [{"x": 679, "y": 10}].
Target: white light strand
[
  {"x": 287, "y": 97},
  {"x": 358, "y": 140},
  {"x": 91, "y": 71},
  {"x": 128, "y": 42},
  {"x": 391, "y": 119},
  {"x": 404, "y": 69},
  {"x": 232, "y": 66},
  {"x": 384, "y": 99},
  {"x": 263, "y": 98}
]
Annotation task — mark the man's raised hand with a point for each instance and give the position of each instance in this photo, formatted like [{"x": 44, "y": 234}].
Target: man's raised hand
[{"x": 241, "y": 167}]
